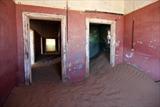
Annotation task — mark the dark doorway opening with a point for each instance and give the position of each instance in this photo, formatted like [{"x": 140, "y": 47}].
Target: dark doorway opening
[
  {"x": 45, "y": 45},
  {"x": 99, "y": 45}
]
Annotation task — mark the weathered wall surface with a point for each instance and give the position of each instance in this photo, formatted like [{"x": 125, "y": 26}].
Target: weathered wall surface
[
  {"x": 113, "y": 6},
  {"x": 8, "y": 48},
  {"x": 119, "y": 30},
  {"x": 132, "y": 5},
  {"x": 76, "y": 54},
  {"x": 146, "y": 41},
  {"x": 46, "y": 28},
  {"x": 146, "y": 53}
]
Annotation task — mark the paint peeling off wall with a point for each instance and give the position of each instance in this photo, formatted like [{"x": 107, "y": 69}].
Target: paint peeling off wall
[
  {"x": 76, "y": 39},
  {"x": 146, "y": 40}
]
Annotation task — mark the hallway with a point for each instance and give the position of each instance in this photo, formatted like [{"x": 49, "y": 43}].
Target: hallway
[{"x": 47, "y": 70}]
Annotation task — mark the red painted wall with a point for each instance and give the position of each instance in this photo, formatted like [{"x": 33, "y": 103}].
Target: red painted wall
[
  {"x": 8, "y": 48},
  {"x": 146, "y": 54},
  {"x": 76, "y": 38}
]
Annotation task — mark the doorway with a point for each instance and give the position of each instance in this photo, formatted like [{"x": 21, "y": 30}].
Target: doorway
[
  {"x": 100, "y": 39},
  {"x": 44, "y": 45}
]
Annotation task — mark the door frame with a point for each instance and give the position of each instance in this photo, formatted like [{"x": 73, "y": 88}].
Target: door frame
[
  {"x": 112, "y": 44},
  {"x": 26, "y": 16}
]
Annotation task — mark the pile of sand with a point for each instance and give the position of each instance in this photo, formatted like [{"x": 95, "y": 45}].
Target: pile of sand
[{"x": 121, "y": 86}]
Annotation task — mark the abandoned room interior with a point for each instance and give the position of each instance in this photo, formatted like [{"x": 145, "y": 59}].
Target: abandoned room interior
[
  {"x": 45, "y": 49},
  {"x": 80, "y": 53}
]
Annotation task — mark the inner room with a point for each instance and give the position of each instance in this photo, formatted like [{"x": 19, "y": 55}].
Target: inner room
[
  {"x": 99, "y": 45},
  {"x": 45, "y": 50}
]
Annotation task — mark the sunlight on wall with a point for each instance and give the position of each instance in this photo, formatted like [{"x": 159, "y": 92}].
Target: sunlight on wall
[
  {"x": 32, "y": 45},
  {"x": 50, "y": 45}
]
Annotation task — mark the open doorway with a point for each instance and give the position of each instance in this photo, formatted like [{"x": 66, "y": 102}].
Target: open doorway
[
  {"x": 99, "y": 45},
  {"x": 45, "y": 43},
  {"x": 44, "y": 46},
  {"x": 100, "y": 42}
]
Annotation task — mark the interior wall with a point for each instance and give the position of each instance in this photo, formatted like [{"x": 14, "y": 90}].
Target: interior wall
[
  {"x": 146, "y": 41},
  {"x": 8, "y": 48},
  {"x": 132, "y": 5},
  {"x": 113, "y": 6},
  {"x": 76, "y": 38},
  {"x": 37, "y": 45},
  {"x": 46, "y": 28}
]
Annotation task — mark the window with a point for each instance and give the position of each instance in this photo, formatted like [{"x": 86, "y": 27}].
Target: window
[{"x": 50, "y": 45}]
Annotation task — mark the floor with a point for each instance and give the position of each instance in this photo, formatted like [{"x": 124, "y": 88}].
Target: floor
[
  {"x": 47, "y": 69},
  {"x": 120, "y": 86}
]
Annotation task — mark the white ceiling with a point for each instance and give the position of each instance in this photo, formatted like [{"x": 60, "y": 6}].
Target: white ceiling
[{"x": 114, "y": 6}]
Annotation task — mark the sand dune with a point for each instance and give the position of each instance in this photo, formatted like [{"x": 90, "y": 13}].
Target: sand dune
[{"x": 121, "y": 86}]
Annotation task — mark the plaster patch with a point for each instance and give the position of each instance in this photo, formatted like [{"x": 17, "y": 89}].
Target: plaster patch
[
  {"x": 80, "y": 66},
  {"x": 70, "y": 64},
  {"x": 117, "y": 43},
  {"x": 151, "y": 44},
  {"x": 69, "y": 69},
  {"x": 117, "y": 55},
  {"x": 77, "y": 61},
  {"x": 146, "y": 58},
  {"x": 129, "y": 55},
  {"x": 140, "y": 42}
]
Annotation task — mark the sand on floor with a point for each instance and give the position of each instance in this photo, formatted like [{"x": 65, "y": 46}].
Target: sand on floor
[{"x": 120, "y": 86}]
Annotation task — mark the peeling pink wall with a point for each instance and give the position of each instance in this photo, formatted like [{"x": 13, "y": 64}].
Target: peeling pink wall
[
  {"x": 76, "y": 39},
  {"x": 145, "y": 56},
  {"x": 146, "y": 53},
  {"x": 8, "y": 48}
]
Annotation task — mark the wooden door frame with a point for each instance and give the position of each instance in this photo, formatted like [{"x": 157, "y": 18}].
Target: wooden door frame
[
  {"x": 26, "y": 16},
  {"x": 112, "y": 44}
]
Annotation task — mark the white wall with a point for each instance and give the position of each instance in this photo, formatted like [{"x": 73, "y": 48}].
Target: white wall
[
  {"x": 44, "y": 3},
  {"x": 114, "y": 6},
  {"x": 32, "y": 46},
  {"x": 132, "y": 5}
]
